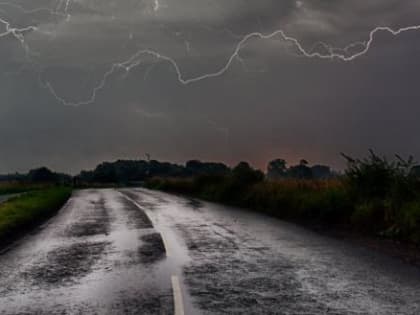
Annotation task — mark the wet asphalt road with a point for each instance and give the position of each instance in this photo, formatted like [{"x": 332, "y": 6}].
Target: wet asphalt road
[{"x": 134, "y": 251}]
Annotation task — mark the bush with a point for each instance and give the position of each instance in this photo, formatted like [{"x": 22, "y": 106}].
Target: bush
[
  {"x": 408, "y": 222},
  {"x": 376, "y": 177},
  {"x": 369, "y": 216}
]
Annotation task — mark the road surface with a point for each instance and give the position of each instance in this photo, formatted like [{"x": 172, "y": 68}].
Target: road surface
[{"x": 134, "y": 251}]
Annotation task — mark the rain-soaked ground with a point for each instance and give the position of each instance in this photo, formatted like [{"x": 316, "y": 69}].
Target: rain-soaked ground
[{"x": 123, "y": 252}]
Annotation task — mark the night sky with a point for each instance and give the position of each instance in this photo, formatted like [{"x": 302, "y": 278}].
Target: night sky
[{"x": 82, "y": 81}]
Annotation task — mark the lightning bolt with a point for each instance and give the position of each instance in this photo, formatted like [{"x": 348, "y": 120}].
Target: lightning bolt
[
  {"x": 156, "y": 5},
  {"x": 19, "y": 33},
  {"x": 31, "y": 11},
  {"x": 16, "y": 32},
  {"x": 92, "y": 98},
  {"x": 66, "y": 8},
  {"x": 65, "y": 4},
  {"x": 341, "y": 54}
]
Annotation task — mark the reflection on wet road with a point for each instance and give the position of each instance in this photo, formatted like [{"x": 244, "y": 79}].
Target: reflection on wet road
[{"x": 134, "y": 251}]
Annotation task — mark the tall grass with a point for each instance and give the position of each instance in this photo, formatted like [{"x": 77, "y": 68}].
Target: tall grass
[
  {"x": 387, "y": 209},
  {"x": 316, "y": 200},
  {"x": 305, "y": 200},
  {"x": 18, "y": 187},
  {"x": 24, "y": 212}
]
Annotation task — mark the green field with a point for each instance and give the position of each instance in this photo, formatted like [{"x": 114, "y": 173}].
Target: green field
[{"x": 19, "y": 214}]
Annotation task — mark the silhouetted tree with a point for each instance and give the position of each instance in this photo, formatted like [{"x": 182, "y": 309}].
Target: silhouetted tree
[
  {"x": 321, "y": 172},
  {"x": 277, "y": 169},
  {"x": 196, "y": 168},
  {"x": 42, "y": 174},
  {"x": 244, "y": 174},
  {"x": 301, "y": 171}
]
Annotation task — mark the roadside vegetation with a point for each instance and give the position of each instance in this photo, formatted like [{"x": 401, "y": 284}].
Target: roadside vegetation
[
  {"x": 7, "y": 188},
  {"x": 36, "y": 179},
  {"x": 375, "y": 195},
  {"x": 21, "y": 213}
]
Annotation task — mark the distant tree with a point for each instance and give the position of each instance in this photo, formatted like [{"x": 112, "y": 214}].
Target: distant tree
[
  {"x": 13, "y": 177},
  {"x": 42, "y": 174},
  {"x": 303, "y": 162},
  {"x": 105, "y": 172},
  {"x": 321, "y": 172},
  {"x": 84, "y": 177},
  {"x": 129, "y": 171},
  {"x": 244, "y": 174},
  {"x": 300, "y": 171},
  {"x": 195, "y": 167},
  {"x": 193, "y": 164},
  {"x": 277, "y": 169}
]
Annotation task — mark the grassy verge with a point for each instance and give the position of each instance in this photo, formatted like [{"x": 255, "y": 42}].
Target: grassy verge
[
  {"x": 16, "y": 187},
  {"x": 19, "y": 214}
]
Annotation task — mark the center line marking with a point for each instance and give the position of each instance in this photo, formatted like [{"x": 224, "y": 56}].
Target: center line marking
[
  {"x": 178, "y": 303},
  {"x": 165, "y": 244}
]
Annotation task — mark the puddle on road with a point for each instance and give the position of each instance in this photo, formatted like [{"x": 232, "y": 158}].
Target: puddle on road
[
  {"x": 64, "y": 265},
  {"x": 152, "y": 249}
]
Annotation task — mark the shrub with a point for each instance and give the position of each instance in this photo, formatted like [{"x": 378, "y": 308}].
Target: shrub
[
  {"x": 376, "y": 177},
  {"x": 369, "y": 216},
  {"x": 408, "y": 221}
]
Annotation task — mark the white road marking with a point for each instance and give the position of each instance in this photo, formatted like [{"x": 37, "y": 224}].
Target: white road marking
[
  {"x": 178, "y": 303},
  {"x": 176, "y": 287},
  {"x": 165, "y": 243},
  {"x": 131, "y": 200}
]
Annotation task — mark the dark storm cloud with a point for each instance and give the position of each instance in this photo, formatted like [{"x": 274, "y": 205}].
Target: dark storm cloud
[{"x": 273, "y": 103}]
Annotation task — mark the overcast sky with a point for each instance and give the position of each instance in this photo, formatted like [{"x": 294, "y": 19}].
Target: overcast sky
[{"x": 80, "y": 88}]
